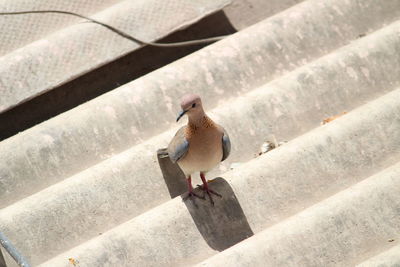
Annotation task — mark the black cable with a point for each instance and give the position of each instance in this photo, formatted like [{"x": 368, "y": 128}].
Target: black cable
[{"x": 119, "y": 32}]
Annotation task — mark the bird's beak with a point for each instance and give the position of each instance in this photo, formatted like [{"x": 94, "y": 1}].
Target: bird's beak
[{"x": 180, "y": 115}]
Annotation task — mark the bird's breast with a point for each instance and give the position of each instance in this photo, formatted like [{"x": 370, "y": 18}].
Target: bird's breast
[{"x": 205, "y": 150}]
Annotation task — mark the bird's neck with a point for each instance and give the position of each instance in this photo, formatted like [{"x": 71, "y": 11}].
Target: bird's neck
[{"x": 201, "y": 121}]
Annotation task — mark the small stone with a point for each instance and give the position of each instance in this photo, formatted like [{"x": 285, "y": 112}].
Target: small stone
[
  {"x": 328, "y": 120},
  {"x": 267, "y": 146},
  {"x": 235, "y": 165},
  {"x": 73, "y": 261},
  {"x": 282, "y": 143}
]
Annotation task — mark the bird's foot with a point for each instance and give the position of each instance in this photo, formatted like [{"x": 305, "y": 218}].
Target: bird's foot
[
  {"x": 209, "y": 192},
  {"x": 192, "y": 194}
]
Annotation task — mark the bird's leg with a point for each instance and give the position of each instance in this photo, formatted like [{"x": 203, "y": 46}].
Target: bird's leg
[
  {"x": 190, "y": 189},
  {"x": 207, "y": 189}
]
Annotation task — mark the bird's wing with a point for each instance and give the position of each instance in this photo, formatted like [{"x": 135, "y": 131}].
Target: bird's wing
[
  {"x": 178, "y": 146},
  {"x": 226, "y": 145}
]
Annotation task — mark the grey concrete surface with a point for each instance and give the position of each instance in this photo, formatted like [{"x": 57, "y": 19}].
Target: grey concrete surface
[
  {"x": 130, "y": 183},
  {"x": 106, "y": 78},
  {"x": 111, "y": 123},
  {"x": 325, "y": 161},
  {"x": 18, "y": 31},
  {"x": 334, "y": 232},
  {"x": 172, "y": 229},
  {"x": 133, "y": 65},
  {"x": 124, "y": 185},
  {"x": 388, "y": 258},
  {"x": 244, "y": 13},
  {"x": 78, "y": 216},
  {"x": 268, "y": 189},
  {"x": 56, "y": 59}
]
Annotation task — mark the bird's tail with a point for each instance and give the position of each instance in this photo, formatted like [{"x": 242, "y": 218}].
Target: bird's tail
[{"x": 162, "y": 153}]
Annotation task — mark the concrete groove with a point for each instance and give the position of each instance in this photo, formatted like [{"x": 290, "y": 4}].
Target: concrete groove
[{"x": 90, "y": 187}]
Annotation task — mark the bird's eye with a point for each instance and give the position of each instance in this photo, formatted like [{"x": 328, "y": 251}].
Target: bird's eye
[{"x": 193, "y": 105}]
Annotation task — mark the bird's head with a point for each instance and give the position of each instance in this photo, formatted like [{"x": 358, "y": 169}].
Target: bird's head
[{"x": 191, "y": 106}]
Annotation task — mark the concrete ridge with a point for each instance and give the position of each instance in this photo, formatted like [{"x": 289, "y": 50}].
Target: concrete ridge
[
  {"x": 323, "y": 149},
  {"x": 71, "y": 140},
  {"x": 390, "y": 257},
  {"x": 285, "y": 197},
  {"x": 58, "y": 57},
  {"x": 334, "y": 232},
  {"x": 129, "y": 182}
]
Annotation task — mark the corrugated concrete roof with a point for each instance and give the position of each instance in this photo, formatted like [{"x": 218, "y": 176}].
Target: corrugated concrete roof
[
  {"x": 86, "y": 184},
  {"x": 78, "y": 48}
]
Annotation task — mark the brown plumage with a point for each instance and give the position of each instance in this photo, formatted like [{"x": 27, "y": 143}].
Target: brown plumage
[{"x": 200, "y": 145}]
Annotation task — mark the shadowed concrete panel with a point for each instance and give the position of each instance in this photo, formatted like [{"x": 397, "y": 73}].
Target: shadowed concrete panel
[
  {"x": 111, "y": 123},
  {"x": 130, "y": 183},
  {"x": 222, "y": 226},
  {"x": 57, "y": 58},
  {"x": 389, "y": 258},
  {"x": 335, "y": 232},
  {"x": 269, "y": 188},
  {"x": 173, "y": 176}
]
